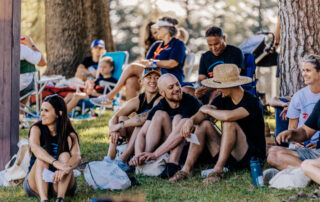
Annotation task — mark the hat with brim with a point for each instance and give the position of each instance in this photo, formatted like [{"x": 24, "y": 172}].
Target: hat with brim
[
  {"x": 97, "y": 43},
  {"x": 162, "y": 24},
  {"x": 150, "y": 70},
  {"x": 226, "y": 76}
]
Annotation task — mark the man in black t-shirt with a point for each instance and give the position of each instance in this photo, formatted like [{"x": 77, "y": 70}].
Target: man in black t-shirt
[
  {"x": 281, "y": 157},
  {"x": 168, "y": 116},
  {"x": 87, "y": 68},
  {"x": 219, "y": 53},
  {"x": 243, "y": 126}
]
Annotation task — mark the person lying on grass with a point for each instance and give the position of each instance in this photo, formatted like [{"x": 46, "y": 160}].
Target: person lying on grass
[
  {"x": 55, "y": 146},
  {"x": 93, "y": 88},
  {"x": 121, "y": 126},
  {"x": 164, "y": 122},
  {"x": 243, "y": 126}
]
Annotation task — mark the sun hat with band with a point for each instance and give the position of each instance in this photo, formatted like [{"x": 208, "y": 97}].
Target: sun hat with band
[
  {"x": 149, "y": 70},
  {"x": 226, "y": 76}
]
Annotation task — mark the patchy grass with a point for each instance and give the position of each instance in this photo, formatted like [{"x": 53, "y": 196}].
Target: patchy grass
[{"x": 93, "y": 142}]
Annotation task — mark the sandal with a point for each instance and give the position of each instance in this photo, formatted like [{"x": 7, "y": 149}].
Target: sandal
[
  {"x": 60, "y": 199},
  {"x": 180, "y": 175},
  {"x": 213, "y": 177}
]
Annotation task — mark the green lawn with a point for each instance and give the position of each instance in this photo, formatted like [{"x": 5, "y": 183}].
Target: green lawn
[{"x": 93, "y": 142}]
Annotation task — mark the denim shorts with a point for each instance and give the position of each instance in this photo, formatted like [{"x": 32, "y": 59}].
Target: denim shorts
[
  {"x": 51, "y": 192},
  {"x": 306, "y": 153}
]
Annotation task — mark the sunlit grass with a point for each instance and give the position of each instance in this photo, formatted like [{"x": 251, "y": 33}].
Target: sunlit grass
[{"x": 237, "y": 186}]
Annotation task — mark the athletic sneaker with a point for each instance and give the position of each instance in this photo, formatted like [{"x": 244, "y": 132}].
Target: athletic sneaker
[
  {"x": 102, "y": 101},
  {"x": 269, "y": 174},
  {"x": 108, "y": 159},
  {"x": 169, "y": 170},
  {"x": 124, "y": 166}
]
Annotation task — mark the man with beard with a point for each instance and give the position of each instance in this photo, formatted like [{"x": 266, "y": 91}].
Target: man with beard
[
  {"x": 243, "y": 126},
  {"x": 168, "y": 116}
]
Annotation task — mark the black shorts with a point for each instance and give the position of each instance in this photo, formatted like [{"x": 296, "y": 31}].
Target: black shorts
[
  {"x": 232, "y": 163},
  {"x": 51, "y": 192}
]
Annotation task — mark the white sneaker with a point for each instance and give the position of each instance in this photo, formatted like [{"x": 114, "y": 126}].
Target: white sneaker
[{"x": 102, "y": 101}]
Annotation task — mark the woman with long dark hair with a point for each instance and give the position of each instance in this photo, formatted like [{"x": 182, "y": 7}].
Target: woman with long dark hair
[{"x": 55, "y": 146}]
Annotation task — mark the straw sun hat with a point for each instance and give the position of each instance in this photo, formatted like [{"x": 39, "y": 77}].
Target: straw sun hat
[{"x": 226, "y": 76}]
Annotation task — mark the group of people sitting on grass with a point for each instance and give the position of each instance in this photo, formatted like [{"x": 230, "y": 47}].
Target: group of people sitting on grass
[{"x": 163, "y": 116}]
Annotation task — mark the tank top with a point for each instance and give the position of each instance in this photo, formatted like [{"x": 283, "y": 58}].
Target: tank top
[{"x": 143, "y": 105}]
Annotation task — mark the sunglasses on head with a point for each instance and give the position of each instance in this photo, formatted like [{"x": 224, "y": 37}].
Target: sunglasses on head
[
  {"x": 315, "y": 59},
  {"x": 149, "y": 69}
]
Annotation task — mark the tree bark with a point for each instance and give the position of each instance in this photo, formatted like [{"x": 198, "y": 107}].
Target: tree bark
[
  {"x": 300, "y": 36},
  {"x": 70, "y": 28}
]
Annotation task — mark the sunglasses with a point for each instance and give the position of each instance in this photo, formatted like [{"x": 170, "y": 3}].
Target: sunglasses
[
  {"x": 150, "y": 69},
  {"x": 314, "y": 59}
]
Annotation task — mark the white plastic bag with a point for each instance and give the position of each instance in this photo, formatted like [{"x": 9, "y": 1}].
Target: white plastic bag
[
  {"x": 153, "y": 168},
  {"x": 103, "y": 175},
  {"x": 292, "y": 177},
  {"x": 14, "y": 174}
]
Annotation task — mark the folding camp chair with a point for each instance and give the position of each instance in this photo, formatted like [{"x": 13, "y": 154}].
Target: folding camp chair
[
  {"x": 120, "y": 60},
  {"x": 26, "y": 108},
  {"x": 188, "y": 65}
]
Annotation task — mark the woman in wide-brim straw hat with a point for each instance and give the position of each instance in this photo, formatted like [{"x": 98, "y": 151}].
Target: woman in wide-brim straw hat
[{"x": 226, "y": 76}]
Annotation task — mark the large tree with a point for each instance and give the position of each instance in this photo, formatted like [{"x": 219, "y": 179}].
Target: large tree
[
  {"x": 70, "y": 28},
  {"x": 300, "y": 36}
]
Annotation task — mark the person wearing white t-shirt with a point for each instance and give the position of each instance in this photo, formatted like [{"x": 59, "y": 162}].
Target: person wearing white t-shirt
[
  {"x": 300, "y": 108},
  {"x": 30, "y": 56}
]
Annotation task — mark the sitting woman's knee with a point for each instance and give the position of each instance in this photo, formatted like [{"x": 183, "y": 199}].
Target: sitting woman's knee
[
  {"x": 41, "y": 163},
  {"x": 64, "y": 157}
]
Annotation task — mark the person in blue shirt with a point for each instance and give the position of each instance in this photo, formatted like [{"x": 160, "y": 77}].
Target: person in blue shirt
[{"x": 168, "y": 54}]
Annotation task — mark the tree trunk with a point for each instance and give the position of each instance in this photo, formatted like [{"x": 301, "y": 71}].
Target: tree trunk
[
  {"x": 300, "y": 36},
  {"x": 70, "y": 28}
]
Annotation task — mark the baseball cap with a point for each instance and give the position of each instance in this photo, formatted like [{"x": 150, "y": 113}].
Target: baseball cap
[
  {"x": 149, "y": 70},
  {"x": 97, "y": 42}
]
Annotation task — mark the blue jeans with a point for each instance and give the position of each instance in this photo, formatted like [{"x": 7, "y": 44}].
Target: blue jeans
[{"x": 281, "y": 125}]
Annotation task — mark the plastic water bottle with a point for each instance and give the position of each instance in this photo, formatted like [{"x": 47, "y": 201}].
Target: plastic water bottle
[{"x": 256, "y": 172}]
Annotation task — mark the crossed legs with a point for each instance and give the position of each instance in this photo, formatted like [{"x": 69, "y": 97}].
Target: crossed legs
[
  {"x": 281, "y": 157},
  {"x": 311, "y": 168},
  {"x": 129, "y": 78}
]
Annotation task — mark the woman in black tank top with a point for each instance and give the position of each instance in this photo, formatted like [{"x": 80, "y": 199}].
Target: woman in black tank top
[
  {"x": 121, "y": 127},
  {"x": 55, "y": 146}
]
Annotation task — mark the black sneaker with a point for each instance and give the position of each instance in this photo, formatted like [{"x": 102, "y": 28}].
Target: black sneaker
[{"x": 169, "y": 170}]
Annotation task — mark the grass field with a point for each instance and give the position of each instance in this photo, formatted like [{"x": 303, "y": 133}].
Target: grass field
[{"x": 93, "y": 142}]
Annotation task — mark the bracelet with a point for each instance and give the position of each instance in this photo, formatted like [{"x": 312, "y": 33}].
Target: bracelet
[{"x": 53, "y": 161}]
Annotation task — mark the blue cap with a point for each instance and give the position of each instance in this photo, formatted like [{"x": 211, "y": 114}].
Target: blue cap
[{"x": 97, "y": 42}]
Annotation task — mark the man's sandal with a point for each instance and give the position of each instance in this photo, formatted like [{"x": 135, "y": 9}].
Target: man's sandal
[
  {"x": 213, "y": 177},
  {"x": 180, "y": 175}
]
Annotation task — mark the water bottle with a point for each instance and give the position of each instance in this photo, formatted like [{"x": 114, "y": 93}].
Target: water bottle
[{"x": 256, "y": 172}]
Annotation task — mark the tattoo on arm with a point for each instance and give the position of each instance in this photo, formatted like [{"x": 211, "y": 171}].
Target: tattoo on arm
[{"x": 140, "y": 117}]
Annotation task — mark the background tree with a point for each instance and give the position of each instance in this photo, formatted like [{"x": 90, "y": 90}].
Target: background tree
[
  {"x": 70, "y": 28},
  {"x": 300, "y": 36}
]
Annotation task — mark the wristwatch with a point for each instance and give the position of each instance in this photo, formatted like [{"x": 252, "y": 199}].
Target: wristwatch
[{"x": 121, "y": 124}]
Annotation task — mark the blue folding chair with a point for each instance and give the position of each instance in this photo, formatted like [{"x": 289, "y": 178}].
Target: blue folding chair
[{"x": 120, "y": 60}]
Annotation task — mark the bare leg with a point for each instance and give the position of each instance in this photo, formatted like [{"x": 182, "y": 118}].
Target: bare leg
[
  {"x": 281, "y": 158},
  {"x": 75, "y": 100},
  {"x": 161, "y": 122},
  {"x": 67, "y": 181},
  {"x": 207, "y": 135},
  {"x": 233, "y": 142},
  {"x": 36, "y": 183},
  {"x": 112, "y": 151},
  {"x": 132, "y": 87},
  {"x": 134, "y": 69},
  {"x": 311, "y": 168},
  {"x": 68, "y": 97},
  {"x": 130, "y": 147}
]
